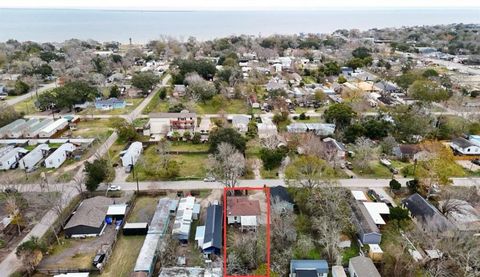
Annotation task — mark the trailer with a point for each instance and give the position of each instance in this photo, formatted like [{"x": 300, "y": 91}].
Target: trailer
[
  {"x": 59, "y": 156},
  {"x": 53, "y": 128},
  {"x": 34, "y": 157}
]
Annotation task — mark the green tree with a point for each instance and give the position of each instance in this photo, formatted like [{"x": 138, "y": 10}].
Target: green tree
[
  {"x": 252, "y": 128},
  {"x": 331, "y": 68},
  {"x": 7, "y": 114},
  {"x": 228, "y": 135},
  {"x": 21, "y": 87},
  {"x": 162, "y": 93},
  {"x": 71, "y": 93},
  {"x": 341, "y": 79},
  {"x": 114, "y": 91},
  {"x": 341, "y": 114},
  {"x": 394, "y": 184},
  {"x": 44, "y": 70},
  {"x": 96, "y": 173},
  {"x": 361, "y": 52},
  {"x": 398, "y": 213},
  {"x": 144, "y": 81},
  {"x": 430, "y": 73},
  {"x": 308, "y": 172},
  {"x": 31, "y": 253},
  {"x": 272, "y": 158},
  {"x": 126, "y": 131},
  {"x": 197, "y": 138},
  {"x": 428, "y": 91},
  {"x": 353, "y": 132}
]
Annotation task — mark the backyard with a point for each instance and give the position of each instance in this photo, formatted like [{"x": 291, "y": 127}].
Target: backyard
[{"x": 126, "y": 250}]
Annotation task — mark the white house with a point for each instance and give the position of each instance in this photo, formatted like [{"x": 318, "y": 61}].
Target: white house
[
  {"x": 57, "y": 158},
  {"x": 33, "y": 131},
  {"x": 29, "y": 161},
  {"x": 131, "y": 155},
  {"x": 9, "y": 156},
  {"x": 241, "y": 210},
  {"x": 240, "y": 123},
  {"x": 53, "y": 128},
  {"x": 5, "y": 129},
  {"x": 465, "y": 147},
  {"x": 18, "y": 130}
]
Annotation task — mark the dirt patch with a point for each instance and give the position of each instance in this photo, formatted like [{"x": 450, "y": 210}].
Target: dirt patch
[
  {"x": 77, "y": 253},
  {"x": 215, "y": 194}
]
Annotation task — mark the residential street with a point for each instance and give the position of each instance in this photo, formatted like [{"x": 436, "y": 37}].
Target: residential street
[{"x": 24, "y": 97}]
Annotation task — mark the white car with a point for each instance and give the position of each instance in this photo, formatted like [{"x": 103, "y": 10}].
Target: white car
[
  {"x": 209, "y": 179},
  {"x": 114, "y": 188}
]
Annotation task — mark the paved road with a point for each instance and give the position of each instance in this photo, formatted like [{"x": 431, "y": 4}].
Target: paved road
[
  {"x": 11, "y": 263},
  {"x": 24, "y": 97}
]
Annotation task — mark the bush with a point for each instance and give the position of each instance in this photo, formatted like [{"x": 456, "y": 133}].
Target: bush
[
  {"x": 398, "y": 213},
  {"x": 413, "y": 185},
  {"x": 395, "y": 185},
  {"x": 272, "y": 158},
  {"x": 302, "y": 116}
]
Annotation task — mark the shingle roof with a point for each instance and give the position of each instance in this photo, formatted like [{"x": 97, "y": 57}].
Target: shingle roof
[
  {"x": 426, "y": 213},
  {"x": 91, "y": 212},
  {"x": 364, "y": 267},
  {"x": 213, "y": 227},
  {"x": 280, "y": 193},
  {"x": 241, "y": 206}
]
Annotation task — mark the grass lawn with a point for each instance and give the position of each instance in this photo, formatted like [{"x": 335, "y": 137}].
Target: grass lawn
[
  {"x": 78, "y": 260},
  {"x": 192, "y": 165},
  {"x": 377, "y": 170},
  {"x": 114, "y": 151},
  {"x": 308, "y": 80},
  {"x": 26, "y": 107},
  {"x": 156, "y": 105},
  {"x": 132, "y": 103},
  {"x": 93, "y": 128},
  {"x": 143, "y": 210},
  {"x": 189, "y": 147},
  {"x": 269, "y": 174},
  {"x": 231, "y": 106},
  {"x": 350, "y": 253}
]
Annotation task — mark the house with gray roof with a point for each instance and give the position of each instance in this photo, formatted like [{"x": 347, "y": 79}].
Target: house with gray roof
[
  {"x": 308, "y": 268},
  {"x": 362, "y": 267},
  {"x": 89, "y": 218},
  {"x": 367, "y": 230}
]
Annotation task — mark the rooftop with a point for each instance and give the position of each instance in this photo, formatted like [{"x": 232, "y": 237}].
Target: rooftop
[
  {"x": 91, "y": 212},
  {"x": 242, "y": 206}
]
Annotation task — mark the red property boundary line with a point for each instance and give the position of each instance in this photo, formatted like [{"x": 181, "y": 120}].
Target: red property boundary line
[{"x": 267, "y": 193}]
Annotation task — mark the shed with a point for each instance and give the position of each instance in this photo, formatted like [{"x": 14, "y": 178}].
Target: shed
[
  {"x": 135, "y": 229},
  {"x": 117, "y": 211},
  {"x": 338, "y": 271}
]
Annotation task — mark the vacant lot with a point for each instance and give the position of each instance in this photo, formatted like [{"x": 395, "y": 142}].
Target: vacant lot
[{"x": 92, "y": 128}]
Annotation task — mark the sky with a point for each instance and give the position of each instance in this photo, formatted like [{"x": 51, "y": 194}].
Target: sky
[{"x": 237, "y": 4}]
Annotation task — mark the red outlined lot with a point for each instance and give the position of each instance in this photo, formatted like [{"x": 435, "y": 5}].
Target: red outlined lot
[{"x": 267, "y": 194}]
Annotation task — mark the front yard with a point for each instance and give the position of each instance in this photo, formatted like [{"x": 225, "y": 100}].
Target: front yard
[{"x": 132, "y": 103}]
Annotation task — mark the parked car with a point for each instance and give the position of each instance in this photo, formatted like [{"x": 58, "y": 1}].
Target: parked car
[
  {"x": 10, "y": 190},
  {"x": 114, "y": 188},
  {"x": 476, "y": 161},
  {"x": 98, "y": 259},
  {"x": 349, "y": 165},
  {"x": 209, "y": 179}
]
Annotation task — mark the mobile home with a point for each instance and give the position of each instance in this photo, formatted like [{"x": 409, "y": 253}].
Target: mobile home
[
  {"x": 53, "y": 128},
  {"x": 130, "y": 156},
  {"x": 57, "y": 158},
  {"x": 34, "y": 157},
  {"x": 33, "y": 131}
]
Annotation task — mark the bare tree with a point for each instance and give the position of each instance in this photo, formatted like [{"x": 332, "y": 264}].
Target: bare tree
[
  {"x": 365, "y": 152},
  {"x": 228, "y": 164},
  {"x": 448, "y": 205},
  {"x": 163, "y": 149}
]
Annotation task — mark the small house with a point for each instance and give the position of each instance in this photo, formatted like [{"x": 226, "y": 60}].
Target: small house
[
  {"x": 280, "y": 199},
  {"x": 426, "y": 214},
  {"x": 308, "y": 268},
  {"x": 367, "y": 230},
  {"x": 89, "y": 218},
  {"x": 240, "y": 123},
  {"x": 362, "y": 267},
  {"x": 110, "y": 104},
  {"x": 9, "y": 157},
  {"x": 465, "y": 147},
  {"x": 335, "y": 147},
  {"x": 53, "y": 128},
  {"x": 29, "y": 161},
  {"x": 187, "y": 212},
  {"x": 59, "y": 156},
  {"x": 241, "y": 210},
  {"x": 209, "y": 237},
  {"x": 130, "y": 156}
]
